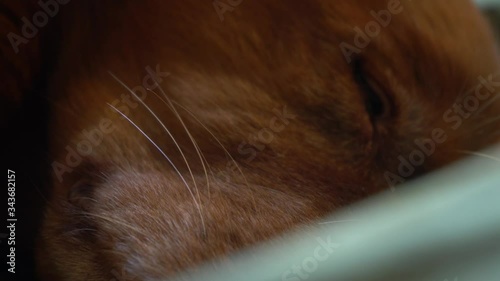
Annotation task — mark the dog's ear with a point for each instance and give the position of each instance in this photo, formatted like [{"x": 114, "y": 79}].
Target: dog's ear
[{"x": 21, "y": 30}]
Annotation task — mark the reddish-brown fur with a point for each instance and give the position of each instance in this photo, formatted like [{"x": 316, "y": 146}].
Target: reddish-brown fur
[{"x": 124, "y": 208}]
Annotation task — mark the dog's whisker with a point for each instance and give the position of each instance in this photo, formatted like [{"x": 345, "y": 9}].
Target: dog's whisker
[
  {"x": 221, "y": 145},
  {"x": 339, "y": 221},
  {"x": 479, "y": 154},
  {"x": 168, "y": 159},
  {"x": 166, "y": 130},
  {"x": 193, "y": 141},
  {"x": 161, "y": 124}
]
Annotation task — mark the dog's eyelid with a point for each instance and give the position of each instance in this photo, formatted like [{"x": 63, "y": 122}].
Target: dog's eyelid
[{"x": 374, "y": 93}]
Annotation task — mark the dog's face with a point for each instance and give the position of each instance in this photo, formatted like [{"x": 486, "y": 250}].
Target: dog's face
[{"x": 271, "y": 118}]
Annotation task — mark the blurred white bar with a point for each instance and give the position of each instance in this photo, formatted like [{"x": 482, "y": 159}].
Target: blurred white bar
[{"x": 444, "y": 227}]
